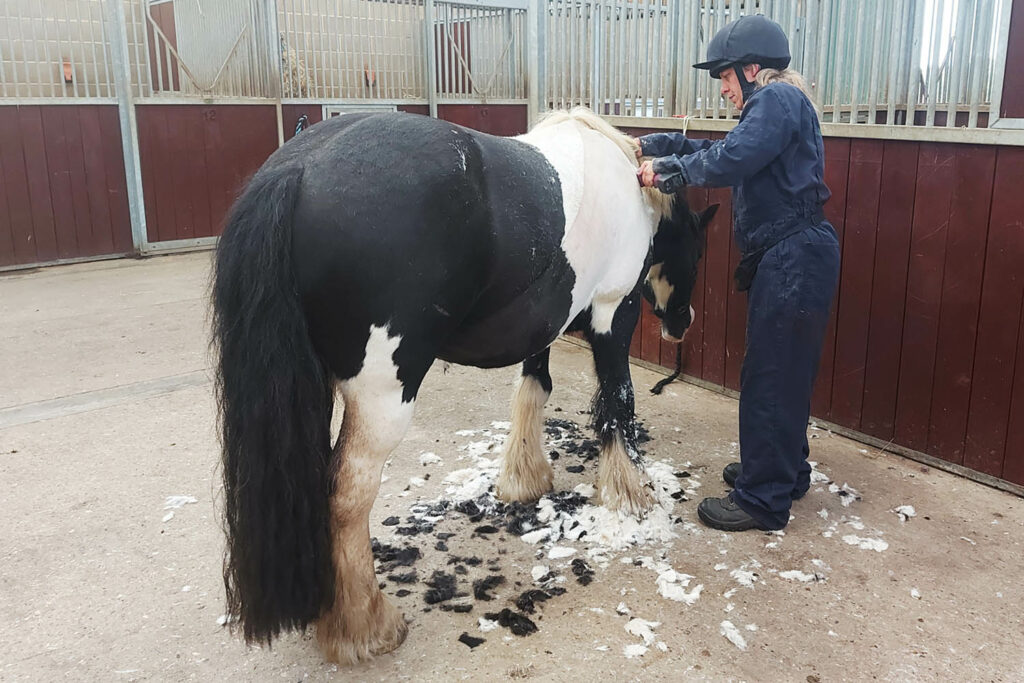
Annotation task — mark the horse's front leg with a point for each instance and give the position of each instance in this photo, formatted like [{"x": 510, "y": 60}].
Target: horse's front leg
[
  {"x": 622, "y": 479},
  {"x": 526, "y": 474}
]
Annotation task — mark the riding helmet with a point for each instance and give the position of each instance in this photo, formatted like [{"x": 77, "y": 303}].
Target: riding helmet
[{"x": 753, "y": 39}]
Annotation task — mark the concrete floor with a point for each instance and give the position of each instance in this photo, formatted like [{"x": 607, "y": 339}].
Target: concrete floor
[{"x": 106, "y": 412}]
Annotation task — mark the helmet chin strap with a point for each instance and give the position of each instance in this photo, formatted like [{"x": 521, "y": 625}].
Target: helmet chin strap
[{"x": 746, "y": 87}]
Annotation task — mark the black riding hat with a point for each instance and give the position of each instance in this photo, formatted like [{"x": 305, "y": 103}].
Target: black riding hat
[{"x": 753, "y": 39}]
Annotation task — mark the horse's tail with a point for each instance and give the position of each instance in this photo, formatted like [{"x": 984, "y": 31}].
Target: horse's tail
[{"x": 276, "y": 398}]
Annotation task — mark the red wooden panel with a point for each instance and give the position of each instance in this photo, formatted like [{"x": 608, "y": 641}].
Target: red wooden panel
[
  {"x": 717, "y": 281},
  {"x": 837, "y": 168},
  {"x": 182, "y": 122},
  {"x": 251, "y": 137},
  {"x": 147, "y": 118},
  {"x": 290, "y": 114},
  {"x": 12, "y": 168},
  {"x": 853, "y": 314},
  {"x": 1012, "y": 102},
  {"x": 936, "y": 174},
  {"x": 888, "y": 287},
  {"x": 998, "y": 323},
  {"x": 736, "y": 315},
  {"x": 961, "y": 300},
  {"x": 650, "y": 337},
  {"x": 157, "y": 182},
  {"x": 220, "y": 196},
  {"x": 422, "y": 109},
  {"x": 102, "y": 239},
  {"x": 71, "y": 117},
  {"x": 198, "y": 165},
  {"x": 1013, "y": 463},
  {"x": 59, "y": 166},
  {"x": 195, "y": 161},
  {"x": 496, "y": 119},
  {"x": 44, "y": 234},
  {"x": 117, "y": 189},
  {"x": 7, "y": 256}
]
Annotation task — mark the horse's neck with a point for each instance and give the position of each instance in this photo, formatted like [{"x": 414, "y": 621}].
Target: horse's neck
[
  {"x": 608, "y": 223},
  {"x": 562, "y": 146}
]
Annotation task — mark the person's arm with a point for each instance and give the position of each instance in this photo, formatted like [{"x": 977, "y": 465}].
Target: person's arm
[
  {"x": 765, "y": 131},
  {"x": 663, "y": 144}
]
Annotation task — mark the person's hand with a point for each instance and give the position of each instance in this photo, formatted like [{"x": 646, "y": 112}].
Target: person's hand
[
  {"x": 646, "y": 173},
  {"x": 639, "y": 148}
]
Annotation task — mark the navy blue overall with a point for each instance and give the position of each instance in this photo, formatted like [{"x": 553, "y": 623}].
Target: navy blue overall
[{"x": 774, "y": 161}]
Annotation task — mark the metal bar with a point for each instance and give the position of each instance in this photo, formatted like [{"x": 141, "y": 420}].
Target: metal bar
[
  {"x": 893, "y": 62},
  {"x": 981, "y": 29},
  {"x": 334, "y": 34},
  {"x": 597, "y": 66},
  {"x": 719, "y": 19},
  {"x": 858, "y": 45},
  {"x": 958, "y": 63},
  {"x": 172, "y": 65},
  {"x": 837, "y": 84},
  {"x": 570, "y": 47},
  {"x": 373, "y": 50},
  {"x": 46, "y": 57},
  {"x": 581, "y": 52},
  {"x": 24, "y": 59},
  {"x": 285, "y": 49},
  {"x": 875, "y": 65},
  {"x": 938, "y": 17},
  {"x": 974, "y": 136},
  {"x": 647, "y": 71},
  {"x": 429, "y": 45},
  {"x": 73, "y": 57},
  {"x": 144, "y": 63},
  {"x": 3, "y": 69},
  {"x": 129, "y": 127},
  {"x": 156, "y": 51},
  {"x": 617, "y": 56},
  {"x": 822, "y": 49},
  {"x": 140, "y": 61},
  {"x": 534, "y": 17},
  {"x": 559, "y": 69},
  {"x": 442, "y": 34},
  {"x": 634, "y": 91},
  {"x": 998, "y": 73},
  {"x": 913, "y": 75}
]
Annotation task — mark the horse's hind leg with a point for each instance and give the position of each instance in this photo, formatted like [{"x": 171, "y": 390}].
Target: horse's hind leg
[
  {"x": 526, "y": 474},
  {"x": 622, "y": 481},
  {"x": 378, "y": 410}
]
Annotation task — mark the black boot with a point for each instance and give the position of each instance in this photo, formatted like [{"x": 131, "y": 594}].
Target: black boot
[
  {"x": 731, "y": 472},
  {"x": 725, "y": 515}
]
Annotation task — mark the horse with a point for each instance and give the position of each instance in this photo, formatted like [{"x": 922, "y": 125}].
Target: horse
[{"x": 366, "y": 248}]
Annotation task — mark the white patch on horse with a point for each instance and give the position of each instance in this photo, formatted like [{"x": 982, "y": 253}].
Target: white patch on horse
[
  {"x": 660, "y": 286},
  {"x": 608, "y": 223},
  {"x": 376, "y": 392}
]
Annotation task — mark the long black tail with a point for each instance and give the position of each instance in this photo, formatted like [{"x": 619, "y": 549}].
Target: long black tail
[{"x": 276, "y": 398}]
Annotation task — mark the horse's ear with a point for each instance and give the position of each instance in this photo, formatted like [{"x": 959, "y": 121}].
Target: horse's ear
[{"x": 707, "y": 214}]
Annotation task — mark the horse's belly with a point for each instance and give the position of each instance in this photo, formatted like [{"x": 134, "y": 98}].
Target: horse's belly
[{"x": 519, "y": 330}]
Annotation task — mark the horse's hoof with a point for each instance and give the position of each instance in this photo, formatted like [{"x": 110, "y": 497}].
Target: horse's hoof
[
  {"x": 393, "y": 640},
  {"x": 361, "y": 637},
  {"x": 526, "y": 486},
  {"x": 636, "y": 501}
]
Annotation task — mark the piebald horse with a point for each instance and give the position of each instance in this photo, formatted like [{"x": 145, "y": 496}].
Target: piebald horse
[{"x": 364, "y": 249}]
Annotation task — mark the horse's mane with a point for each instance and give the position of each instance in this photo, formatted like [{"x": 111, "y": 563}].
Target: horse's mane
[{"x": 627, "y": 143}]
